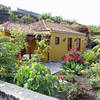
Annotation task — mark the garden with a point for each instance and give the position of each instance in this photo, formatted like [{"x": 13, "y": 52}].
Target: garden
[{"x": 78, "y": 80}]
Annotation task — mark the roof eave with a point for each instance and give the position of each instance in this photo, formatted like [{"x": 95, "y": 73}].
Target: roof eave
[{"x": 63, "y": 32}]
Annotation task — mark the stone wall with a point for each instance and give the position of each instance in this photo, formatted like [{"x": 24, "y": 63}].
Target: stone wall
[{"x": 12, "y": 92}]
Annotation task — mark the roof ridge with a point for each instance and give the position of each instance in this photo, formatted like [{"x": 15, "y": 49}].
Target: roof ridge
[{"x": 44, "y": 22}]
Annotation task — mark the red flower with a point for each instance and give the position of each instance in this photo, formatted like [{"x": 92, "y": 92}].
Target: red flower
[
  {"x": 61, "y": 76},
  {"x": 74, "y": 92},
  {"x": 65, "y": 59},
  {"x": 78, "y": 84},
  {"x": 75, "y": 61},
  {"x": 87, "y": 90},
  {"x": 73, "y": 58},
  {"x": 82, "y": 61},
  {"x": 79, "y": 58}
]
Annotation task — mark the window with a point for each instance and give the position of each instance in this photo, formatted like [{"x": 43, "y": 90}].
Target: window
[
  {"x": 78, "y": 43},
  {"x": 69, "y": 43},
  {"x": 57, "y": 40}
]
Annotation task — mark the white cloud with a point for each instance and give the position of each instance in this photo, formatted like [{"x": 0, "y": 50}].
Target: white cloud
[{"x": 84, "y": 11}]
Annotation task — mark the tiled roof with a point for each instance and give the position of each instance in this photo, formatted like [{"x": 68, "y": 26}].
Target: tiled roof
[
  {"x": 26, "y": 28},
  {"x": 43, "y": 25},
  {"x": 20, "y": 27},
  {"x": 39, "y": 26}
]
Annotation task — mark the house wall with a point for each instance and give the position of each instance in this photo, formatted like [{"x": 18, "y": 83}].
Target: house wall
[
  {"x": 4, "y": 34},
  {"x": 57, "y": 52}
]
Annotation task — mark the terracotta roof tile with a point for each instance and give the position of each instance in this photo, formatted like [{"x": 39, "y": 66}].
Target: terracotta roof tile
[
  {"x": 38, "y": 26},
  {"x": 43, "y": 25}
]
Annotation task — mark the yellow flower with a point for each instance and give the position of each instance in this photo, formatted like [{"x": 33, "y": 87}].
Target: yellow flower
[
  {"x": 16, "y": 64},
  {"x": 20, "y": 60},
  {"x": 3, "y": 69}
]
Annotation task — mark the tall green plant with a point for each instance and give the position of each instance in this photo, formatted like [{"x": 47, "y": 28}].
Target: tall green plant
[
  {"x": 8, "y": 52},
  {"x": 37, "y": 78},
  {"x": 42, "y": 48},
  {"x": 89, "y": 56},
  {"x": 10, "y": 47}
]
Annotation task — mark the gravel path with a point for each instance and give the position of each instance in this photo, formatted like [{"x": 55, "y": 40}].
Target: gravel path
[{"x": 54, "y": 66}]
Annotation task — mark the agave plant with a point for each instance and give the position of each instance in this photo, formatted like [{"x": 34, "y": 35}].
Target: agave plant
[{"x": 97, "y": 48}]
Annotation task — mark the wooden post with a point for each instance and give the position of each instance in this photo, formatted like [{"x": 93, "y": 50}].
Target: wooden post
[{"x": 30, "y": 37}]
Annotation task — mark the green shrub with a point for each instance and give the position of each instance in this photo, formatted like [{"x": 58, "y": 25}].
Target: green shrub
[
  {"x": 37, "y": 78},
  {"x": 73, "y": 67},
  {"x": 10, "y": 47},
  {"x": 95, "y": 81},
  {"x": 8, "y": 60},
  {"x": 94, "y": 76},
  {"x": 98, "y": 95},
  {"x": 89, "y": 56}
]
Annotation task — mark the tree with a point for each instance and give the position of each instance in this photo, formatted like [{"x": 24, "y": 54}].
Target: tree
[
  {"x": 44, "y": 16},
  {"x": 50, "y": 20},
  {"x": 57, "y": 19},
  {"x": 3, "y": 7}
]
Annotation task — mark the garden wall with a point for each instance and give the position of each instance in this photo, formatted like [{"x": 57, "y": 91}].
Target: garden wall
[{"x": 12, "y": 92}]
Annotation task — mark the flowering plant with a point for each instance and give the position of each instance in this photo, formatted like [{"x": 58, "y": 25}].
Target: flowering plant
[
  {"x": 77, "y": 91},
  {"x": 83, "y": 28},
  {"x": 73, "y": 56}
]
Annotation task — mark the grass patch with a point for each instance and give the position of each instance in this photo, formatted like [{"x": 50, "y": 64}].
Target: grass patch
[{"x": 97, "y": 35}]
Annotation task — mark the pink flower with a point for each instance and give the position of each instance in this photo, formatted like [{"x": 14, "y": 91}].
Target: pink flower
[{"x": 80, "y": 88}]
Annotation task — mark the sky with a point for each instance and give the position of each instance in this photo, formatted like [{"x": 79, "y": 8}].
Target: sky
[{"x": 83, "y": 11}]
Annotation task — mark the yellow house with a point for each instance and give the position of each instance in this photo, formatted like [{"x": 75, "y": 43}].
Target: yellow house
[{"x": 60, "y": 38}]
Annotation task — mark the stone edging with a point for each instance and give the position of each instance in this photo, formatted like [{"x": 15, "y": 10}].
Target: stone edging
[{"x": 12, "y": 92}]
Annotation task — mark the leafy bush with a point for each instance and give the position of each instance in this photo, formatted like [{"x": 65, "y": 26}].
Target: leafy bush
[
  {"x": 73, "y": 67},
  {"x": 89, "y": 56},
  {"x": 8, "y": 61},
  {"x": 10, "y": 47},
  {"x": 95, "y": 81},
  {"x": 38, "y": 78},
  {"x": 94, "y": 75},
  {"x": 96, "y": 49}
]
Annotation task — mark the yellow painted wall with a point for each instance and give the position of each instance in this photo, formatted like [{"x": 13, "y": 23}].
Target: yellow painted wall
[
  {"x": 2, "y": 34},
  {"x": 57, "y": 52}
]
